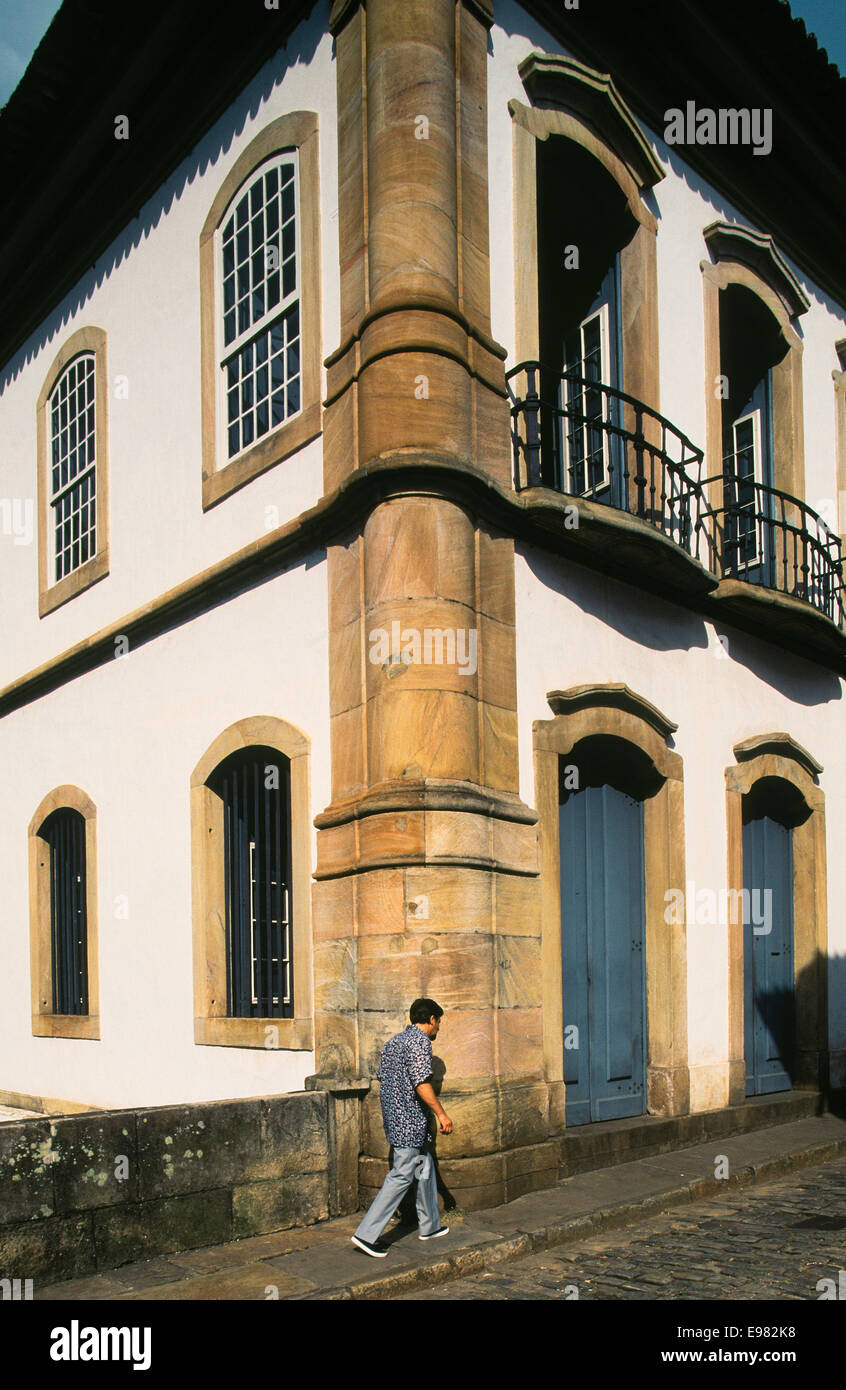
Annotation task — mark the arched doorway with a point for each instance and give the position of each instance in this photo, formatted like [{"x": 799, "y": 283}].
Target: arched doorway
[
  {"x": 771, "y": 810},
  {"x": 611, "y": 832},
  {"x": 778, "y": 1029},
  {"x": 603, "y": 786}
]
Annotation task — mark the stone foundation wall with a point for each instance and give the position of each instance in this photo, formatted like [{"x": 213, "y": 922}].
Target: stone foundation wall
[{"x": 79, "y": 1193}]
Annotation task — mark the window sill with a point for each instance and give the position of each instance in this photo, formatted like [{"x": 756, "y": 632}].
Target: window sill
[
  {"x": 80, "y": 579},
  {"x": 272, "y": 449},
  {"x": 66, "y": 1026},
  {"x": 292, "y": 1034}
]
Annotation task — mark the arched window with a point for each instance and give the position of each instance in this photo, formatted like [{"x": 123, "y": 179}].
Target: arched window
[
  {"x": 251, "y": 847},
  {"x": 73, "y": 470},
  {"x": 254, "y": 787},
  {"x": 63, "y": 916},
  {"x": 73, "y": 458},
  {"x": 64, "y": 834},
  {"x": 260, "y": 305},
  {"x": 260, "y": 292}
]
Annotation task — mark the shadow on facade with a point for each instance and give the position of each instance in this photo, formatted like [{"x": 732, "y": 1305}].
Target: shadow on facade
[
  {"x": 803, "y": 682},
  {"x": 657, "y": 624},
  {"x": 778, "y": 1009}
]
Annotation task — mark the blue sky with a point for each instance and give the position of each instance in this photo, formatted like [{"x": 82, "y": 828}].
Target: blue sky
[{"x": 24, "y": 22}]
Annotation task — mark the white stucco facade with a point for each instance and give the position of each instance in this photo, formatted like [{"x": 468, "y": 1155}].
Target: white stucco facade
[
  {"x": 575, "y": 627},
  {"x": 130, "y": 732}
]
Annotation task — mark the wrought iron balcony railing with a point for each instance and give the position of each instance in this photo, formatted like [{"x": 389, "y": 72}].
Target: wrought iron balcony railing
[
  {"x": 587, "y": 440},
  {"x": 769, "y": 537}
]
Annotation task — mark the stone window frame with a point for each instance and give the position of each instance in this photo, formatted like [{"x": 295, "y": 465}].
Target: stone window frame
[
  {"x": 52, "y": 593},
  {"x": 295, "y": 131},
  {"x": 752, "y": 260},
  {"x": 584, "y": 105},
  {"x": 616, "y": 711},
  {"x": 778, "y": 755},
  {"x": 46, "y": 1024},
  {"x": 212, "y": 1026}
]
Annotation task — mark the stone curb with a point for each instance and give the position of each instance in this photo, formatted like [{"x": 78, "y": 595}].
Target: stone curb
[{"x": 489, "y": 1253}]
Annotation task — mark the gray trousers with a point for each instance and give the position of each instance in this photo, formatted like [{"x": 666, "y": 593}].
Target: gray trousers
[{"x": 408, "y": 1164}]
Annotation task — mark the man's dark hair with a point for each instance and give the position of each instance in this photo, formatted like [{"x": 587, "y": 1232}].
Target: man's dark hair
[{"x": 424, "y": 1009}]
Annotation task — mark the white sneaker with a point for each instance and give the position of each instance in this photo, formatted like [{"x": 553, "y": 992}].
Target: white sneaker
[{"x": 433, "y": 1235}]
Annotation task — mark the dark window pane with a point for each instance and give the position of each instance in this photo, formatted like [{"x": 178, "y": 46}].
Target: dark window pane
[
  {"x": 261, "y": 419},
  {"x": 261, "y": 349},
  {"x": 229, "y": 327},
  {"x": 278, "y": 407},
  {"x": 247, "y": 426},
  {"x": 261, "y": 383},
  {"x": 273, "y": 289},
  {"x": 234, "y": 432},
  {"x": 294, "y": 396},
  {"x": 289, "y": 278}
]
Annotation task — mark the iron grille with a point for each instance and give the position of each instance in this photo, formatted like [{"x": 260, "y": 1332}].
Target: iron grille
[
  {"x": 255, "y": 788},
  {"x": 585, "y": 439},
  {"x": 64, "y": 832},
  {"x": 573, "y": 433},
  {"x": 769, "y": 537}
]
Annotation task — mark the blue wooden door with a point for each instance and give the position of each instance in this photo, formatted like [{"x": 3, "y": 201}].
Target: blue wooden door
[
  {"x": 603, "y": 937},
  {"x": 768, "y": 999}
]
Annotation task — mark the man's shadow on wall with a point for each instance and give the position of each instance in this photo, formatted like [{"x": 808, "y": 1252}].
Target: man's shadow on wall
[{"x": 407, "y": 1210}]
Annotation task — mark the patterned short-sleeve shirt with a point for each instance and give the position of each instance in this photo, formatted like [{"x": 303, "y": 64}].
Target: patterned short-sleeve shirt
[{"x": 405, "y": 1063}]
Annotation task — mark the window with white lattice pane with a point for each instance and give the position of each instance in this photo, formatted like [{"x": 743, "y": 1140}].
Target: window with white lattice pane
[
  {"x": 259, "y": 318},
  {"x": 72, "y": 464}
]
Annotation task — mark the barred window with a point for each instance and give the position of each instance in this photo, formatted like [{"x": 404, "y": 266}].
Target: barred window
[
  {"x": 64, "y": 833},
  {"x": 260, "y": 304},
  {"x": 73, "y": 457},
  {"x": 255, "y": 788}
]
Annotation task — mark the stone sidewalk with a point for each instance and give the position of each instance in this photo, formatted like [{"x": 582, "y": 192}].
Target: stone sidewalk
[{"x": 319, "y": 1262}]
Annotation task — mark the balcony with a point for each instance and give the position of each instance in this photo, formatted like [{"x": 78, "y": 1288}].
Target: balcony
[{"x": 609, "y": 453}]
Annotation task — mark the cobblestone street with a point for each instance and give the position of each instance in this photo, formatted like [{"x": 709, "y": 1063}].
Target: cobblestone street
[{"x": 770, "y": 1242}]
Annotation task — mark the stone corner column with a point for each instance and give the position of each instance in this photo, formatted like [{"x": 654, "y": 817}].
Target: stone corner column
[{"x": 427, "y": 874}]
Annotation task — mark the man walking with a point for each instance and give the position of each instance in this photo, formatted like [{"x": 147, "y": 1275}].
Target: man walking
[{"x": 405, "y": 1071}]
